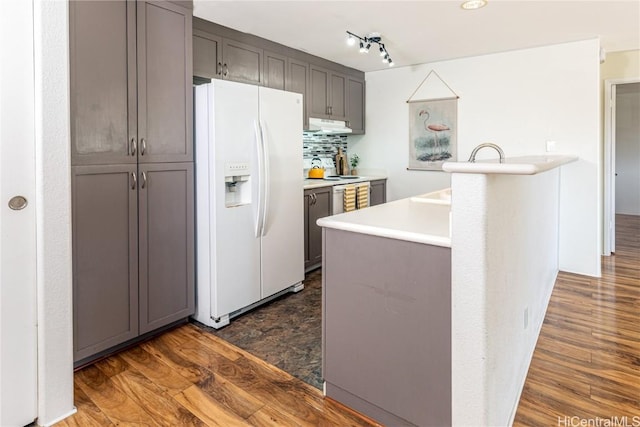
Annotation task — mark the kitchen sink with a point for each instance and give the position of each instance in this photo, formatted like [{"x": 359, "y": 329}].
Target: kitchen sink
[{"x": 440, "y": 197}]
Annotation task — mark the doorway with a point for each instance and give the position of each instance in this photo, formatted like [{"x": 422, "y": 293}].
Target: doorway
[{"x": 621, "y": 154}]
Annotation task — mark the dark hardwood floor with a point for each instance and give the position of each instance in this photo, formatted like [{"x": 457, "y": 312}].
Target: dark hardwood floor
[{"x": 586, "y": 364}]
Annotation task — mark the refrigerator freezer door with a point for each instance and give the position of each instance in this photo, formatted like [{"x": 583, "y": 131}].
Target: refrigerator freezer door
[
  {"x": 228, "y": 250},
  {"x": 283, "y": 240}
]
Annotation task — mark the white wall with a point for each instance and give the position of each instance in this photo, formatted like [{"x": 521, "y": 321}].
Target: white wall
[
  {"x": 628, "y": 149},
  {"x": 504, "y": 256},
  {"x": 53, "y": 198},
  {"x": 518, "y": 100}
]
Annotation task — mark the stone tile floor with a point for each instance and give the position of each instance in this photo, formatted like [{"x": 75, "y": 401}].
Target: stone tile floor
[{"x": 286, "y": 332}]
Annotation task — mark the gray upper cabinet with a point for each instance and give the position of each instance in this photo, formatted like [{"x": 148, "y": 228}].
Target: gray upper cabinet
[
  {"x": 215, "y": 57},
  {"x": 355, "y": 104},
  {"x": 103, "y": 81},
  {"x": 275, "y": 70},
  {"x": 330, "y": 90},
  {"x": 166, "y": 198},
  {"x": 298, "y": 82},
  {"x": 105, "y": 257},
  {"x": 207, "y": 55},
  {"x": 164, "y": 83},
  {"x": 130, "y": 82},
  {"x": 241, "y": 62},
  {"x": 327, "y": 94},
  {"x": 318, "y": 101}
]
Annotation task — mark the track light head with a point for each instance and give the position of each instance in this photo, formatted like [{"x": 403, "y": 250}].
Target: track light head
[{"x": 367, "y": 41}]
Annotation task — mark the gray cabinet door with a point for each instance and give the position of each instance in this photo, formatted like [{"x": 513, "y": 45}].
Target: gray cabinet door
[
  {"x": 166, "y": 198},
  {"x": 164, "y": 83},
  {"x": 105, "y": 257},
  {"x": 355, "y": 104},
  {"x": 318, "y": 206},
  {"x": 378, "y": 191},
  {"x": 275, "y": 70},
  {"x": 207, "y": 55},
  {"x": 241, "y": 62},
  {"x": 327, "y": 94},
  {"x": 338, "y": 96},
  {"x": 298, "y": 82},
  {"x": 319, "y": 80},
  {"x": 103, "y": 85}
]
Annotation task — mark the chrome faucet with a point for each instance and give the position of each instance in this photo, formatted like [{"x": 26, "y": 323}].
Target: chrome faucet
[{"x": 472, "y": 158}]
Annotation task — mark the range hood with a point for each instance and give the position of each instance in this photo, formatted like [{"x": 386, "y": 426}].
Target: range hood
[{"x": 326, "y": 126}]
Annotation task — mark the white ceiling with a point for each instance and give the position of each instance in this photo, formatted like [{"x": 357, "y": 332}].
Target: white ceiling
[{"x": 417, "y": 32}]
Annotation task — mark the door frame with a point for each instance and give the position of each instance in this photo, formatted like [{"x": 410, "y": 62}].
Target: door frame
[{"x": 609, "y": 226}]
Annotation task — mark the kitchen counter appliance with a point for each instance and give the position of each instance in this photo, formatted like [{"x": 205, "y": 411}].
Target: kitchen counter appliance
[{"x": 249, "y": 222}]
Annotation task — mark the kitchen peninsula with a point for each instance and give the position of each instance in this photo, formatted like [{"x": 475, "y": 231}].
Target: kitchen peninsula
[{"x": 432, "y": 307}]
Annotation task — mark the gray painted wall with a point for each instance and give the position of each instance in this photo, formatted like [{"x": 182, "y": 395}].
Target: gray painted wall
[{"x": 628, "y": 149}]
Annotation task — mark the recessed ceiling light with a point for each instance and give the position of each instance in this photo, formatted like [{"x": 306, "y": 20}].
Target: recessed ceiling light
[{"x": 473, "y": 4}]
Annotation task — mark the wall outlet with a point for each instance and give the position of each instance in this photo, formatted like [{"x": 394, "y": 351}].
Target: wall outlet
[
  {"x": 551, "y": 146},
  {"x": 526, "y": 317}
]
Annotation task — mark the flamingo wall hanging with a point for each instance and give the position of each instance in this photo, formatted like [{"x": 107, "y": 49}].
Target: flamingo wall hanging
[{"x": 432, "y": 129}]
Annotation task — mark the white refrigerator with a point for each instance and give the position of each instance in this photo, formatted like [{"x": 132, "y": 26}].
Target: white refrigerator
[{"x": 249, "y": 198}]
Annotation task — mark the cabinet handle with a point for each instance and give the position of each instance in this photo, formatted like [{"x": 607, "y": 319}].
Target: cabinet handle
[
  {"x": 143, "y": 146},
  {"x": 219, "y": 68},
  {"x": 144, "y": 180},
  {"x": 225, "y": 70},
  {"x": 315, "y": 198},
  {"x": 133, "y": 146},
  {"x": 134, "y": 180}
]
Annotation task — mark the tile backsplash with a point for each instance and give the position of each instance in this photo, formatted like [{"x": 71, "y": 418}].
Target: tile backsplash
[{"x": 323, "y": 146}]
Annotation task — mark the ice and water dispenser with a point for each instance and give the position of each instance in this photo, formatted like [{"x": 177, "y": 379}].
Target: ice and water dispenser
[{"x": 237, "y": 184}]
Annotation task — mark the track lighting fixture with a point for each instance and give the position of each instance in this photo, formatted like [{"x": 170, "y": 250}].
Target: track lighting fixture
[{"x": 365, "y": 45}]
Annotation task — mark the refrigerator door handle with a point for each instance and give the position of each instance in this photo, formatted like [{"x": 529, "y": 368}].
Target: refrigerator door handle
[
  {"x": 260, "y": 194},
  {"x": 266, "y": 177}
]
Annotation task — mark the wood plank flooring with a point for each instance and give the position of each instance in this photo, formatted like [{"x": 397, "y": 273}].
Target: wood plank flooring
[
  {"x": 586, "y": 364},
  {"x": 188, "y": 377},
  {"x": 587, "y": 359}
]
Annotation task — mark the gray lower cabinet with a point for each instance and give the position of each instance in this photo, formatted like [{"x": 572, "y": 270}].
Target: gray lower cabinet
[
  {"x": 387, "y": 328},
  {"x": 317, "y": 204},
  {"x": 378, "y": 192},
  {"x": 105, "y": 257},
  {"x": 166, "y": 241},
  {"x": 133, "y": 252}
]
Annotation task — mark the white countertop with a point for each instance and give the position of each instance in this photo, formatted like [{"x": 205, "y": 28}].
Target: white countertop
[
  {"x": 426, "y": 223},
  {"x": 317, "y": 183},
  {"x": 525, "y": 165}
]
